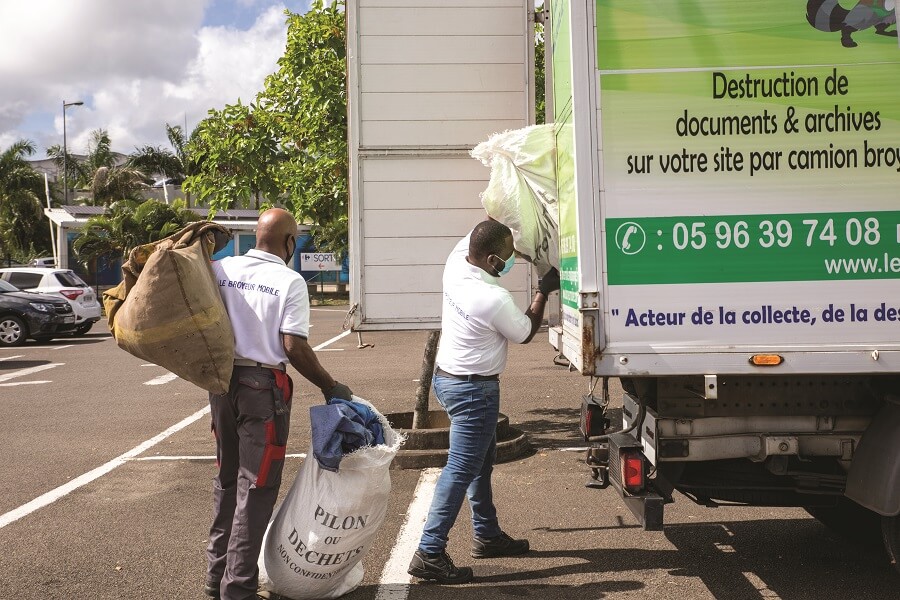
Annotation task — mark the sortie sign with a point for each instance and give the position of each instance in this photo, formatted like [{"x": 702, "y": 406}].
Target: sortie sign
[{"x": 319, "y": 261}]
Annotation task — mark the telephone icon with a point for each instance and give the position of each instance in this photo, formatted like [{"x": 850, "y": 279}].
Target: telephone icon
[
  {"x": 626, "y": 245},
  {"x": 630, "y": 238}
]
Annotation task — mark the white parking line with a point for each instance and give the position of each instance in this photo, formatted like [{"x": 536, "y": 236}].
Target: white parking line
[
  {"x": 63, "y": 490},
  {"x": 394, "y": 583},
  {"x": 22, "y": 383},
  {"x": 28, "y": 371},
  {"x": 334, "y": 339},
  {"x": 11, "y": 357},
  {"x": 162, "y": 379},
  {"x": 61, "y": 347},
  {"x": 761, "y": 586},
  {"x": 194, "y": 457},
  {"x": 23, "y": 348}
]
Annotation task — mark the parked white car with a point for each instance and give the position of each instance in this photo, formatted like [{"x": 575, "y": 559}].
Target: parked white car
[{"x": 62, "y": 283}]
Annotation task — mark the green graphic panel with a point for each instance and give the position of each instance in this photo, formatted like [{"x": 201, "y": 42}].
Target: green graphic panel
[
  {"x": 565, "y": 152},
  {"x": 730, "y": 107},
  {"x": 669, "y": 34},
  {"x": 754, "y": 248}
]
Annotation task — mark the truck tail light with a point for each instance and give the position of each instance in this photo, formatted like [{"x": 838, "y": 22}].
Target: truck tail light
[
  {"x": 71, "y": 294},
  {"x": 632, "y": 471}
]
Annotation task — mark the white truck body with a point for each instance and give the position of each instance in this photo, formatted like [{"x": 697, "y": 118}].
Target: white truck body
[
  {"x": 677, "y": 261},
  {"x": 730, "y": 249}
]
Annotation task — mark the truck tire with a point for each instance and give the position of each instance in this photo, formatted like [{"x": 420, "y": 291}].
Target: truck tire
[
  {"x": 890, "y": 532},
  {"x": 850, "y": 520}
]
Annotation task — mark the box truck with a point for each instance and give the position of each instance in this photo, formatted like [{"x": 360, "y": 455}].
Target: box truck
[{"x": 728, "y": 183}]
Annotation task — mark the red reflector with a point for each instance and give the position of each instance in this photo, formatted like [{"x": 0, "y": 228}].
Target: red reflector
[
  {"x": 71, "y": 294},
  {"x": 632, "y": 471}
]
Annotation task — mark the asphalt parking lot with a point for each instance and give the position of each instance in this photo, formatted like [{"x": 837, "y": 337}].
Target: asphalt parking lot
[{"x": 107, "y": 468}]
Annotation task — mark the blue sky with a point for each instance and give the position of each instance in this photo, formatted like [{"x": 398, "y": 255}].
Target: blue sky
[{"x": 136, "y": 65}]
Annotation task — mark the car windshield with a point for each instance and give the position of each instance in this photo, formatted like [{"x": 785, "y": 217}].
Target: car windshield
[
  {"x": 70, "y": 279},
  {"x": 7, "y": 287}
]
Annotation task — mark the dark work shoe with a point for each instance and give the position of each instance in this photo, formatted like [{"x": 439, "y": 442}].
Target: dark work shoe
[
  {"x": 211, "y": 589},
  {"x": 439, "y": 568},
  {"x": 502, "y": 545}
]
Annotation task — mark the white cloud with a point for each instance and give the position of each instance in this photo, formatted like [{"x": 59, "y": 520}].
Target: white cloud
[{"x": 136, "y": 64}]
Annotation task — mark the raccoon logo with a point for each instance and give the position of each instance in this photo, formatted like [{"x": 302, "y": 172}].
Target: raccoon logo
[{"x": 829, "y": 15}]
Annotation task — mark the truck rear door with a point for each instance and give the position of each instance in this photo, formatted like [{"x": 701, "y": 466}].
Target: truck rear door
[{"x": 427, "y": 82}]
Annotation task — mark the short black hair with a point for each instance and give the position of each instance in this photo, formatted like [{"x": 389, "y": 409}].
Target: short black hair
[{"x": 488, "y": 237}]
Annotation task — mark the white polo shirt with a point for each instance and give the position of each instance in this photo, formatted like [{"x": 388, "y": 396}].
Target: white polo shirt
[
  {"x": 264, "y": 298},
  {"x": 479, "y": 318}
]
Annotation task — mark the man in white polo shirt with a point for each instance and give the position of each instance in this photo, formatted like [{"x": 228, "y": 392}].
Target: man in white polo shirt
[
  {"x": 268, "y": 306},
  {"x": 479, "y": 319}
]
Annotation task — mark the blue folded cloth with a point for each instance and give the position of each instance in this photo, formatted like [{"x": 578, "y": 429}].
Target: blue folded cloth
[
  {"x": 370, "y": 420},
  {"x": 341, "y": 427}
]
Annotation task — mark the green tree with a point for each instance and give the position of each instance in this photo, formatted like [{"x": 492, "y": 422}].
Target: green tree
[
  {"x": 127, "y": 224},
  {"x": 307, "y": 98},
  {"x": 235, "y": 156},
  {"x": 24, "y": 231},
  {"x": 540, "y": 104},
  {"x": 290, "y": 146}
]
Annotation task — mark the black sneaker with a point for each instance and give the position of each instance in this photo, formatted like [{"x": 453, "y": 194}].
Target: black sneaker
[
  {"x": 211, "y": 589},
  {"x": 502, "y": 545},
  {"x": 439, "y": 568}
]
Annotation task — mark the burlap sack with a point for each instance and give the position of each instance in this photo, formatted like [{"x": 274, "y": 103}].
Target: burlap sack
[{"x": 168, "y": 310}]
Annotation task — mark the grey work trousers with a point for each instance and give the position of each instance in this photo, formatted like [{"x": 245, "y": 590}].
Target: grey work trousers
[{"x": 250, "y": 424}]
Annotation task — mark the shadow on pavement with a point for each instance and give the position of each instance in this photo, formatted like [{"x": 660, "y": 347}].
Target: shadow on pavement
[
  {"x": 77, "y": 341},
  {"x": 735, "y": 560},
  {"x": 555, "y": 428}
]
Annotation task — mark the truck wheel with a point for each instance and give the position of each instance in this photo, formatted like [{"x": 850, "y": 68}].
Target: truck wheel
[
  {"x": 890, "y": 531},
  {"x": 12, "y": 331},
  {"x": 849, "y": 520},
  {"x": 84, "y": 328}
]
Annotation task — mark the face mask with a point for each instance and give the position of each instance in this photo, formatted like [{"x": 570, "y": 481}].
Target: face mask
[
  {"x": 507, "y": 265},
  {"x": 293, "y": 248}
]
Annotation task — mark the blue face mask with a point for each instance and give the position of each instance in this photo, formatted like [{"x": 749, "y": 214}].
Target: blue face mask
[{"x": 508, "y": 265}]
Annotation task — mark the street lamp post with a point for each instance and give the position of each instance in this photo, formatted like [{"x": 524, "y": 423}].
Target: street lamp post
[{"x": 66, "y": 152}]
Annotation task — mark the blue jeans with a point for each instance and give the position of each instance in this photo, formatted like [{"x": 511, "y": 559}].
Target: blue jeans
[{"x": 473, "y": 408}]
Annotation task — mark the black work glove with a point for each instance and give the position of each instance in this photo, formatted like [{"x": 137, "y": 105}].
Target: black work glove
[
  {"x": 549, "y": 282},
  {"x": 338, "y": 391}
]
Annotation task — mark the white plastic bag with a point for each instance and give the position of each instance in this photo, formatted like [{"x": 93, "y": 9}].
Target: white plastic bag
[
  {"x": 314, "y": 545},
  {"x": 521, "y": 193}
]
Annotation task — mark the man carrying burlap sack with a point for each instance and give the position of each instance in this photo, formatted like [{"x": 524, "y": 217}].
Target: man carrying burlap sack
[{"x": 268, "y": 306}]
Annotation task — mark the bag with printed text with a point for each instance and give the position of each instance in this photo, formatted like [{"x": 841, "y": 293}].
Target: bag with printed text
[
  {"x": 316, "y": 541},
  {"x": 521, "y": 193}
]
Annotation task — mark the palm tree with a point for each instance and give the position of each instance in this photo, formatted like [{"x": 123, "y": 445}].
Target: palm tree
[
  {"x": 128, "y": 224},
  {"x": 21, "y": 214},
  {"x": 107, "y": 180},
  {"x": 171, "y": 164}
]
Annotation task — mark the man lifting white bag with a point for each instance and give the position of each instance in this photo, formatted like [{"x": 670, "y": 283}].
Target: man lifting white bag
[{"x": 315, "y": 543}]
